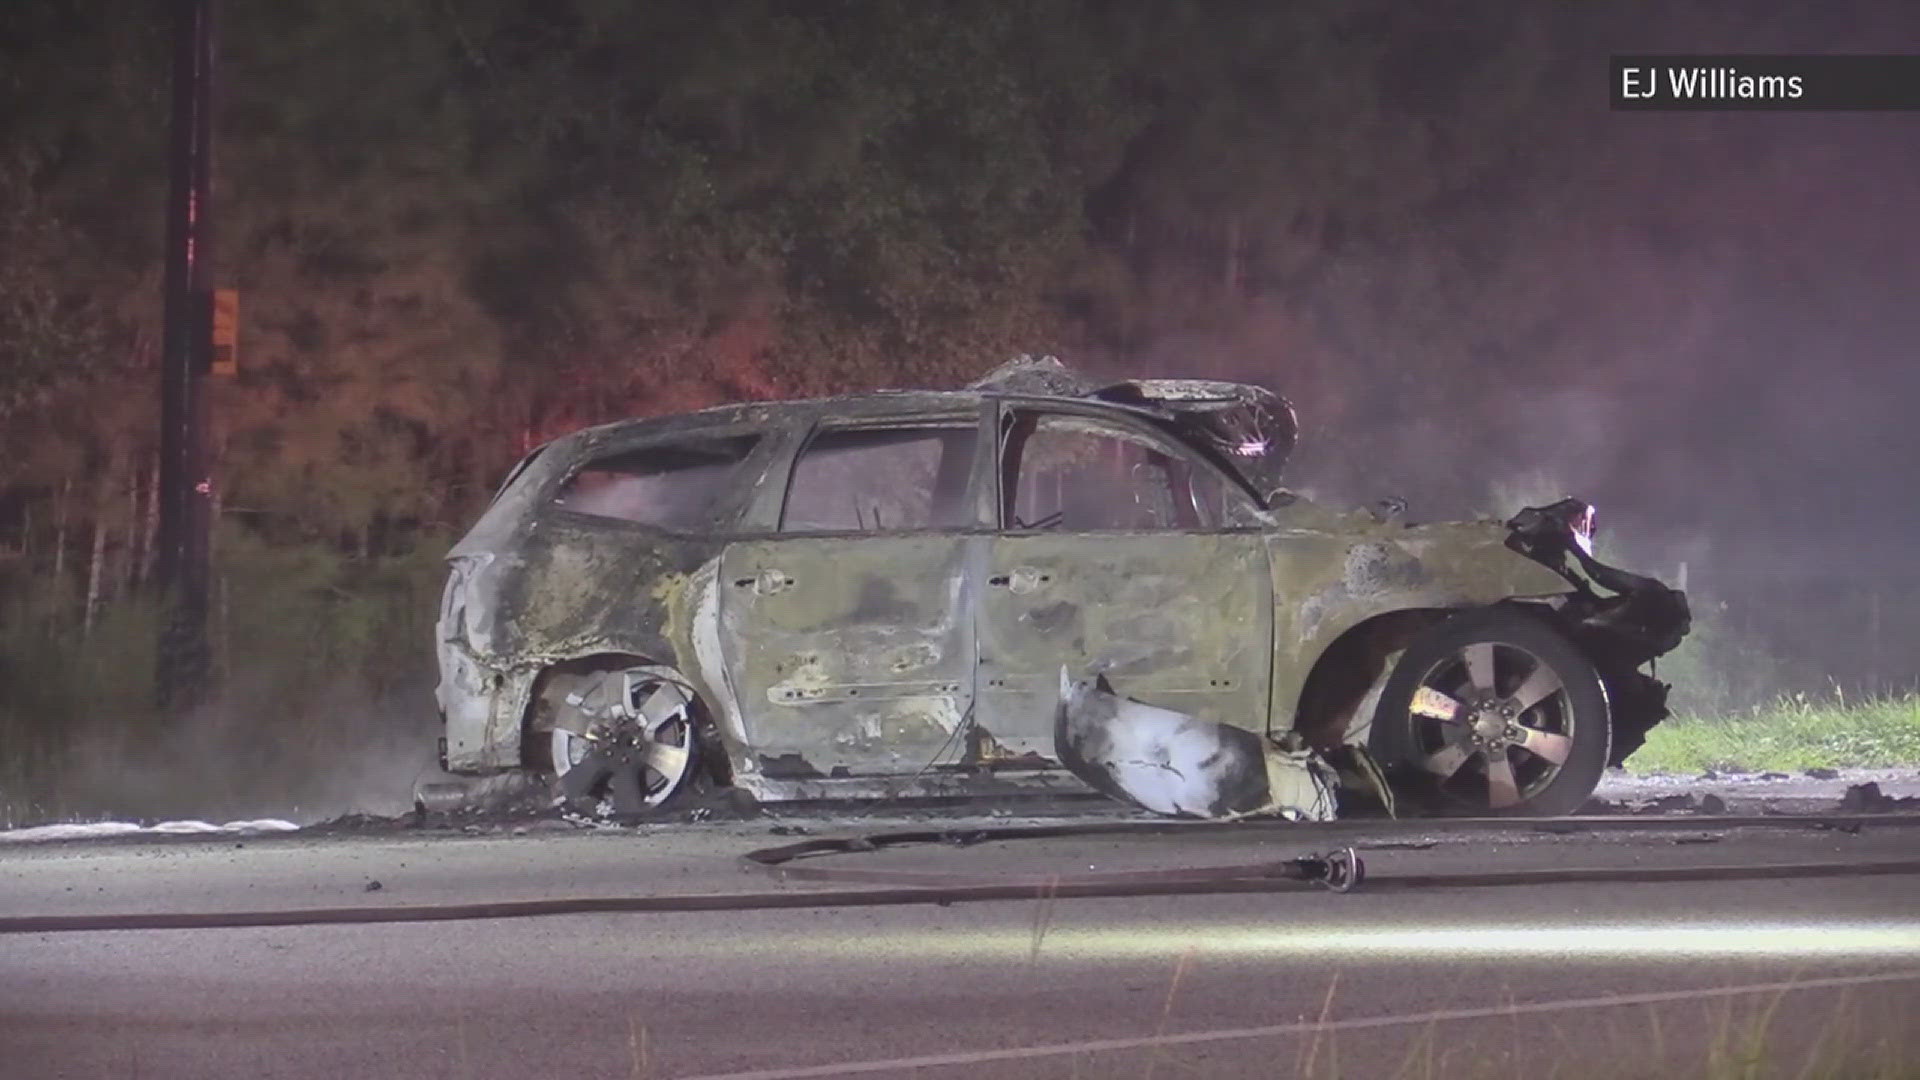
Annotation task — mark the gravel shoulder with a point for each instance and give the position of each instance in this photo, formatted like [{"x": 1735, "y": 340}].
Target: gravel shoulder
[{"x": 1805, "y": 792}]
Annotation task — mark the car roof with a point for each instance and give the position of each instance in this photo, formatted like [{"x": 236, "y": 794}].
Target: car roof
[
  {"x": 1246, "y": 429},
  {"x": 905, "y": 402}
]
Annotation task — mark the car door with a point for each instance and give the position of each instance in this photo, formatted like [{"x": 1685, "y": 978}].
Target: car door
[
  {"x": 848, "y": 636},
  {"x": 1112, "y": 556}
]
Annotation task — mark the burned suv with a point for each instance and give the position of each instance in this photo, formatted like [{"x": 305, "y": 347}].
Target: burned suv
[{"x": 877, "y": 596}]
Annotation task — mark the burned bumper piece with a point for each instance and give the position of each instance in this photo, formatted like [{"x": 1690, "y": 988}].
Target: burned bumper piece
[
  {"x": 1174, "y": 764},
  {"x": 1620, "y": 620}
]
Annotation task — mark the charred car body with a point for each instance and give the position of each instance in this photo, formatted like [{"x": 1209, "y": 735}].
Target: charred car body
[{"x": 878, "y": 596}]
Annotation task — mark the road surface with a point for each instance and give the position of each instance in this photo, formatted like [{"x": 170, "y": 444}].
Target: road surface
[{"x": 1621, "y": 978}]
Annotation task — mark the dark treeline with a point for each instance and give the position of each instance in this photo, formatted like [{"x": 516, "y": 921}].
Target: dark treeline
[{"x": 459, "y": 229}]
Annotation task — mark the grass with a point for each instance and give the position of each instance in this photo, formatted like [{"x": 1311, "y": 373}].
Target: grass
[
  {"x": 1729, "y": 1034},
  {"x": 1790, "y": 734}
]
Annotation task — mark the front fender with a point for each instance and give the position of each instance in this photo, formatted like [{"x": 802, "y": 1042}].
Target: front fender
[{"x": 1326, "y": 584}]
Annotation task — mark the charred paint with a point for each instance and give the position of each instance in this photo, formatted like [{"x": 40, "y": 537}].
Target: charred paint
[
  {"x": 863, "y": 658},
  {"x": 1176, "y": 618},
  {"x": 837, "y": 664},
  {"x": 1347, "y": 569},
  {"x": 585, "y": 587}
]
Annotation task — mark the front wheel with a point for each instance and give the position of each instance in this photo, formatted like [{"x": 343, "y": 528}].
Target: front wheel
[{"x": 1494, "y": 712}]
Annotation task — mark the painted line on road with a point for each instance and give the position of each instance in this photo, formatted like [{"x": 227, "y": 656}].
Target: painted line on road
[{"x": 1305, "y": 1027}]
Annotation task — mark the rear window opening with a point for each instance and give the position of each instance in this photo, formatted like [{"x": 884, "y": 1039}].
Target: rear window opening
[{"x": 671, "y": 486}]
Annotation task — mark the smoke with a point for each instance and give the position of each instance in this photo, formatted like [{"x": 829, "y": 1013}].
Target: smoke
[
  {"x": 246, "y": 755},
  {"x": 1739, "y": 416}
]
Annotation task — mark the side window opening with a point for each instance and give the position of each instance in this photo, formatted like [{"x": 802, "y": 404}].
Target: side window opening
[
  {"x": 882, "y": 479},
  {"x": 1081, "y": 475},
  {"x": 671, "y": 486}
]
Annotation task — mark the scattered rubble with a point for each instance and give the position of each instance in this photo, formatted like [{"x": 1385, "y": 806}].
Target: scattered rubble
[
  {"x": 1681, "y": 803},
  {"x": 1868, "y": 798}
]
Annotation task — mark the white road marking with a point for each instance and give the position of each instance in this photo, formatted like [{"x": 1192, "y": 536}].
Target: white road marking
[
  {"x": 1559, "y": 941},
  {"x": 1188, "y": 1038}
]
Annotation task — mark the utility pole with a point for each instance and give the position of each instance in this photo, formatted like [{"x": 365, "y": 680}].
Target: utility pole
[{"x": 186, "y": 480}]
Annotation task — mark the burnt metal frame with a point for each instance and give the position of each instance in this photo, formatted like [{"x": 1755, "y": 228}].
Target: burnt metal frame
[
  {"x": 956, "y": 418},
  {"x": 1120, "y": 417}
]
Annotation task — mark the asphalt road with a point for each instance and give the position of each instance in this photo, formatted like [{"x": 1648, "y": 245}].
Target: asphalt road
[{"x": 1576, "y": 980}]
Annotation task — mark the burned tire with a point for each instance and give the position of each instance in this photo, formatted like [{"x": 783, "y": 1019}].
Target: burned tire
[
  {"x": 1493, "y": 712},
  {"x": 633, "y": 746}
]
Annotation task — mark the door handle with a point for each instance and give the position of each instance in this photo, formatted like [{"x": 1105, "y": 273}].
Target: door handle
[
  {"x": 1021, "y": 580},
  {"x": 765, "y": 583}
]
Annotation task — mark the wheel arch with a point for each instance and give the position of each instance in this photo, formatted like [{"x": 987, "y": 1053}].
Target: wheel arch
[
  {"x": 1350, "y": 670},
  {"x": 1334, "y": 702}
]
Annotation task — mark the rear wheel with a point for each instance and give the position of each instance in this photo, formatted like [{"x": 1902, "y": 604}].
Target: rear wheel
[
  {"x": 1493, "y": 712},
  {"x": 631, "y": 745}
]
